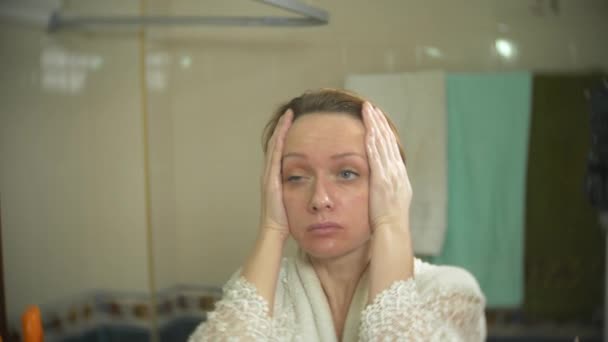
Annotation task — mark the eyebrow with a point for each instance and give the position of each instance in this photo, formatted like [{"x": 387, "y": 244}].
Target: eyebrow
[{"x": 335, "y": 156}]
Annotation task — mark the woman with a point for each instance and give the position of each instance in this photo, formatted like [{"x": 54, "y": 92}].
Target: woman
[{"x": 335, "y": 180}]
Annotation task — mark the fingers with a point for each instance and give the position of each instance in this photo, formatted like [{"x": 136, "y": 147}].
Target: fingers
[
  {"x": 391, "y": 139},
  {"x": 371, "y": 137},
  {"x": 381, "y": 139},
  {"x": 275, "y": 146}
]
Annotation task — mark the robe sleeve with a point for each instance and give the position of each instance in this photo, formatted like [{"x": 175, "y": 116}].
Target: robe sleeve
[
  {"x": 449, "y": 308},
  {"x": 242, "y": 315}
]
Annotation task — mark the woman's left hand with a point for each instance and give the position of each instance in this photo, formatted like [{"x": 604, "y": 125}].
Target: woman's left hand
[{"x": 390, "y": 190}]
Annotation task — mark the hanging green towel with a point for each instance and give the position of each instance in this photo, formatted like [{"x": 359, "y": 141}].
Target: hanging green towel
[{"x": 488, "y": 121}]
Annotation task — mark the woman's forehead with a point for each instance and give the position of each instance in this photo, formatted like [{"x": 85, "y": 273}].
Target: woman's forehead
[
  {"x": 325, "y": 125},
  {"x": 325, "y": 136}
]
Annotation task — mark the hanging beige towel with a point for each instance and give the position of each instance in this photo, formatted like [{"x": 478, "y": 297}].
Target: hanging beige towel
[{"x": 416, "y": 103}]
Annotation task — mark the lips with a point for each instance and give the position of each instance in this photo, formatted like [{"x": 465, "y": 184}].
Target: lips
[{"x": 324, "y": 226}]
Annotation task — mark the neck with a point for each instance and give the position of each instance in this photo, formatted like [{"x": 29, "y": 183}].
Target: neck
[
  {"x": 339, "y": 278},
  {"x": 343, "y": 271}
]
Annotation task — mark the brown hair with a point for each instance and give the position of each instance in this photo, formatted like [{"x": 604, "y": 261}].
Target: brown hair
[{"x": 323, "y": 101}]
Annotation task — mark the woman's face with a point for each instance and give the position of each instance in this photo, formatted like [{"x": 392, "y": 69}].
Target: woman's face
[{"x": 325, "y": 184}]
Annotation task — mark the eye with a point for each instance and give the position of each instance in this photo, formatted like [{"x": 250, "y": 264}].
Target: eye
[
  {"x": 348, "y": 174},
  {"x": 294, "y": 178}
]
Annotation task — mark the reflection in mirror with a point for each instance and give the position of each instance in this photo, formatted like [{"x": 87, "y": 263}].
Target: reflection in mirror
[{"x": 130, "y": 163}]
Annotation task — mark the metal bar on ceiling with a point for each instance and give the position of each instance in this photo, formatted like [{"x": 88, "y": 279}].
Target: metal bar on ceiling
[
  {"x": 300, "y": 8},
  {"x": 311, "y": 16}
]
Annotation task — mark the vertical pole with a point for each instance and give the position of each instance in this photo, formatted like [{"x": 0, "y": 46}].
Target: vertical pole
[{"x": 143, "y": 85}]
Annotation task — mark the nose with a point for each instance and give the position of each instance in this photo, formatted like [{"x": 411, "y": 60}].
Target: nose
[{"x": 320, "y": 199}]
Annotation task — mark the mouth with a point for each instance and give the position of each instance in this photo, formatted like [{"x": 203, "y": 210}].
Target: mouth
[{"x": 324, "y": 227}]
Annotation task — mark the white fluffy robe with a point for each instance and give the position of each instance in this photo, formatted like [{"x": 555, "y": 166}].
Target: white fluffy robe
[
  {"x": 441, "y": 303},
  {"x": 416, "y": 103},
  {"x": 311, "y": 306}
]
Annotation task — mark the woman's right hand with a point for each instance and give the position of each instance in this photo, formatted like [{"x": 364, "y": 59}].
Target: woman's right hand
[
  {"x": 273, "y": 217},
  {"x": 264, "y": 264}
]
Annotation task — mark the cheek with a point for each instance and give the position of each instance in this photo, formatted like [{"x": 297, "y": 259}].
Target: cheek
[
  {"x": 291, "y": 200},
  {"x": 360, "y": 201},
  {"x": 356, "y": 196},
  {"x": 358, "y": 204}
]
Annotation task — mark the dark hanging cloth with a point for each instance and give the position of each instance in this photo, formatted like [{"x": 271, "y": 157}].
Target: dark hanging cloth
[
  {"x": 564, "y": 244},
  {"x": 596, "y": 180}
]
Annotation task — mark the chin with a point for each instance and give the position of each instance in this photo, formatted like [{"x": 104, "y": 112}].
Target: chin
[{"x": 329, "y": 249}]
